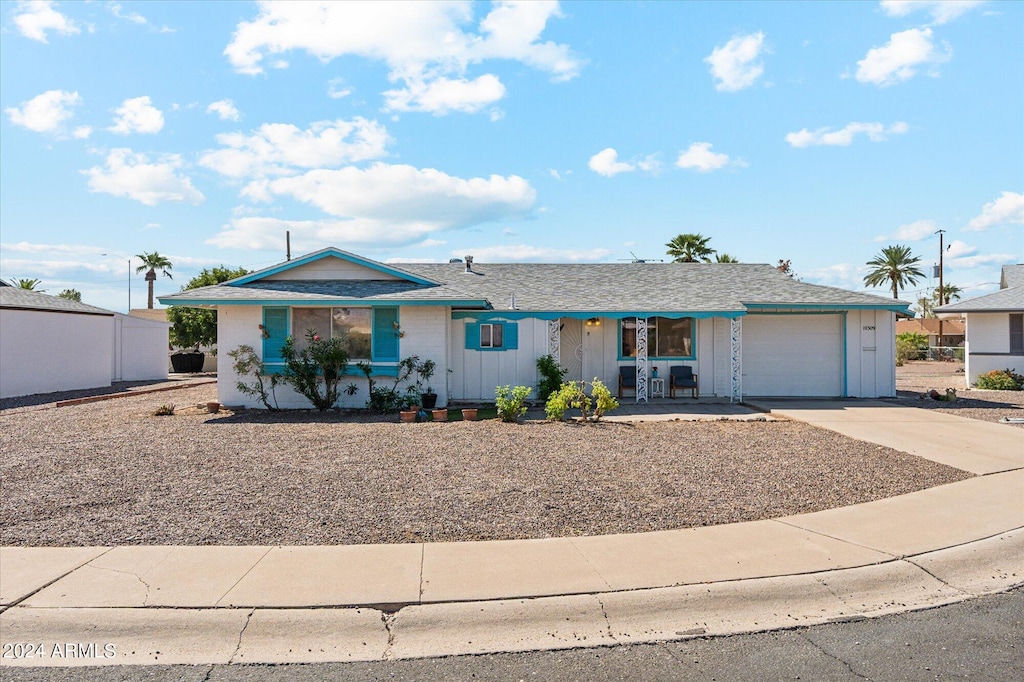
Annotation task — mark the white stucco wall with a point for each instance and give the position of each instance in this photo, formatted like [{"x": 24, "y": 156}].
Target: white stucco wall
[
  {"x": 140, "y": 349},
  {"x": 42, "y": 352},
  {"x": 425, "y": 335},
  {"x": 988, "y": 333}
]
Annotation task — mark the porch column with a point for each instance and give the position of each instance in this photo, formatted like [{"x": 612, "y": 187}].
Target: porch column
[
  {"x": 736, "y": 360},
  {"x": 555, "y": 338},
  {"x": 641, "y": 359}
]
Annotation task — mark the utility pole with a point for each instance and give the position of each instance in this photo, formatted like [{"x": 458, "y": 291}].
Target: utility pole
[{"x": 942, "y": 292}]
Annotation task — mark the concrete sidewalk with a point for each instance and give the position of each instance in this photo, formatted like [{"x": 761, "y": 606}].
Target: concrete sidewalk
[{"x": 306, "y": 604}]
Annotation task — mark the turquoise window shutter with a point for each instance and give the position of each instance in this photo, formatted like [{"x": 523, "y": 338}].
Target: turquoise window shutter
[
  {"x": 275, "y": 332},
  {"x": 511, "y": 335},
  {"x": 472, "y": 336},
  {"x": 385, "y": 335}
]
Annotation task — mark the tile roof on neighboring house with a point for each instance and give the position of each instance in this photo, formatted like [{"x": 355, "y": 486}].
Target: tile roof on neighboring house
[
  {"x": 930, "y": 325},
  {"x": 26, "y": 299},
  {"x": 555, "y": 288},
  {"x": 1009, "y": 299}
]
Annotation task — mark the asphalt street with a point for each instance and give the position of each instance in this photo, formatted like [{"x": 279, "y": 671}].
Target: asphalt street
[{"x": 981, "y": 639}]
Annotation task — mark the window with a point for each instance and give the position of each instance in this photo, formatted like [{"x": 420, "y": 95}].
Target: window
[
  {"x": 491, "y": 336},
  {"x": 1017, "y": 333},
  {"x": 352, "y": 325},
  {"x": 666, "y": 337}
]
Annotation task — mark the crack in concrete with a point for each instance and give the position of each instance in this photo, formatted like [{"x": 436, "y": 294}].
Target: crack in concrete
[
  {"x": 423, "y": 557},
  {"x": 60, "y": 577},
  {"x": 607, "y": 622},
  {"x": 389, "y": 626},
  {"x": 238, "y": 646},
  {"x": 206, "y": 677},
  {"x": 145, "y": 600},
  {"x": 952, "y": 587},
  {"x": 835, "y": 658},
  {"x": 242, "y": 577},
  {"x": 895, "y": 557}
]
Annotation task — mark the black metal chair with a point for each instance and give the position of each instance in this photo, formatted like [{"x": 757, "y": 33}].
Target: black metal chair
[
  {"x": 627, "y": 378},
  {"x": 682, "y": 377}
]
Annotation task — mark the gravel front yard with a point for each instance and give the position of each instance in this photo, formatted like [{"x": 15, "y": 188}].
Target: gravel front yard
[
  {"x": 111, "y": 473},
  {"x": 914, "y": 379}
]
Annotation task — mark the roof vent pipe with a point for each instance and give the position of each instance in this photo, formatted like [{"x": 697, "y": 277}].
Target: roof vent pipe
[
  {"x": 512, "y": 301},
  {"x": 469, "y": 264}
]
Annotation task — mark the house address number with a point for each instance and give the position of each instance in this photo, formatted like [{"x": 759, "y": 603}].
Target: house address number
[{"x": 869, "y": 328}]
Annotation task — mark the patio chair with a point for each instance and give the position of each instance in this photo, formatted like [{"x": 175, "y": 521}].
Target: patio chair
[
  {"x": 682, "y": 377},
  {"x": 627, "y": 378}
]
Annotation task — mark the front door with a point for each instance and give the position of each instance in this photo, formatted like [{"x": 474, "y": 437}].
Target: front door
[{"x": 570, "y": 348}]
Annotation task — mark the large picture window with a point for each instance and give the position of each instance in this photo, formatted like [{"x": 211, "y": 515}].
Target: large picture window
[
  {"x": 666, "y": 337},
  {"x": 354, "y": 326}
]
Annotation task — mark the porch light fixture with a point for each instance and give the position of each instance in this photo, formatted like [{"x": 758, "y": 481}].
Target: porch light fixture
[{"x": 594, "y": 322}]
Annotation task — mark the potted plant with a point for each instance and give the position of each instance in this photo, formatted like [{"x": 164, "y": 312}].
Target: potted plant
[
  {"x": 440, "y": 414},
  {"x": 469, "y": 414},
  {"x": 425, "y": 370}
]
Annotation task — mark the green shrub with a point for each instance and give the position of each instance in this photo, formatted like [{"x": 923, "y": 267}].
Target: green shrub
[
  {"x": 1001, "y": 380},
  {"x": 387, "y": 399},
  {"x": 573, "y": 395},
  {"x": 246, "y": 363},
  {"x": 511, "y": 402},
  {"x": 321, "y": 361},
  {"x": 551, "y": 376},
  {"x": 910, "y": 346},
  {"x": 605, "y": 401},
  {"x": 165, "y": 410}
]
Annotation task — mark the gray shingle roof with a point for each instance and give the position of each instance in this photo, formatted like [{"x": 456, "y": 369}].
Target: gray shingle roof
[
  {"x": 562, "y": 287},
  {"x": 1008, "y": 299},
  {"x": 16, "y": 297}
]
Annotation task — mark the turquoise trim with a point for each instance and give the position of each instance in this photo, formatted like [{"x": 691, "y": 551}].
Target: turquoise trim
[
  {"x": 846, "y": 369},
  {"x": 582, "y": 315},
  {"x": 652, "y": 358},
  {"x": 327, "y": 253},
  {"x": 335, "y": 302},
  {"x": 275, "y": 333},
  {"x": 385, "y": 337},
  {"x": 828, "y": 307},
  {"x": 509, "y": 337}
]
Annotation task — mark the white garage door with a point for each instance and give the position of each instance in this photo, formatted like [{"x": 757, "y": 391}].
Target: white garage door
[{"x": 792, "y": 355}]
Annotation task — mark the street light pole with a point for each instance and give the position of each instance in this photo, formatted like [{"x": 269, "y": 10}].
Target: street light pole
[{"x": 941, "y": 289}]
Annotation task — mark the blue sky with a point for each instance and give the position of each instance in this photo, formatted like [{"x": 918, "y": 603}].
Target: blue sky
[{"x": 815, "y": 132}]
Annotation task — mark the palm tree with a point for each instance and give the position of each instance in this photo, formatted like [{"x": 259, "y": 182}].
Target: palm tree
[
  {"x": 29, "y": 284},
  {"x": 950, "y": 292},
  {"x": 690, "y": 248},
  {"x": 71, "y": 295},
  {"x": 153, "y": 262},
  {"x": 725, "y": 258},
  {"x": 895, "y": 265}
]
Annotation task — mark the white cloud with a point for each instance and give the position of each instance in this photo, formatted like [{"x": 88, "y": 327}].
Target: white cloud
[
  {"x": 521, "y": 253},
  {"x": 901, "y": 57},
  {"x": 911, "y": 232},
  {"x": 843, "y": 137},
  {"x": 279, "y": 148},
  {"x": 445, "y": 95},
  {"x": 336, "y": 88},
  {"x": 224, "y": 108},
  {"x": 699, "y": 157},
  {"x": 736, "y": 65},
  {"x": 606, "y": 163},
  {"x": 959, "y": 249},
  {"x": 842, "y": 275},
  {"x": 962, "y": 256},
  {"x": 46, "y": 112},
  {"x": 137, "y": 115},
  {"x": 423, "y": 44},
  {"x": 36, "y": 17},
  {"x": 942, "y": 11},
  {"x": 131, "y": 175},
  {"x": 82, "y": 132},
  {"x": 382, "y": 204},
  {"x": 134, "y": 17},
  {"x": 650, "y": 163},
  {"x": 1008, "y": 208}
]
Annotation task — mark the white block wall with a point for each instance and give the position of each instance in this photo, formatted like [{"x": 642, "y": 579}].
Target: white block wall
[
  {"x": 42, "y": 352},
  {"x": 424, "y": 327},
  {"x": 988, "y": 333},
  {"x": 140, "y": 349}
]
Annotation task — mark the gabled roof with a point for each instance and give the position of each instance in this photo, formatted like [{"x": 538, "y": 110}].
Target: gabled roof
[
  {"x": 26, "y": 299},
  {"x": 554, "y": 289},
  {"x": 1009, "y": 298}
]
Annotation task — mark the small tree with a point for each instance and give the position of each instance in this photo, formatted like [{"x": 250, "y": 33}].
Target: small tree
[
  {"x": 321, "y": 361},
  {"x": 551, "y": 375},
  {"x": 194, "y": 327},
  {"x": 511, "y": 402},
  {"x": 247, "y": 363},
  {"x": 71, "y": 295}
]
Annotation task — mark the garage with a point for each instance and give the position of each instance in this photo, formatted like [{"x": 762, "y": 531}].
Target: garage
[{"x": 793, "y": 355}]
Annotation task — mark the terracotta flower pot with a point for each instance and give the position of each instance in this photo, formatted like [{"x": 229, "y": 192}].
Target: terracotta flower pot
[
  {"x": 408, "y": 416},
  {"x": 469, "y": 414},
  {"x": 213, "y": 407},
  {"x": 440, "y": 415}
]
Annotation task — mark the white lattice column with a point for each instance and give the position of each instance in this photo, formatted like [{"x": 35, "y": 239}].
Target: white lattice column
[
  {"x": 555, "y": 339},
  {"x": 736, "y": 360},
  {"x": 641, "y": 359}
]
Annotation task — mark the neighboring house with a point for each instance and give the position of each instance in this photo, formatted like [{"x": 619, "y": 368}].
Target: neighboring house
[
  {"x": 160, "y": 315},
  {"x": 744, "y": 329},
  {"x": 952, "y": 330},
  {"x": 995, "y": 326},
  {"x": 52, "y": 344}
]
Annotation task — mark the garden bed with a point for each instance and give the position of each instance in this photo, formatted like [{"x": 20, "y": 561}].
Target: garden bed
[{"x": 112, "y": 473}]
